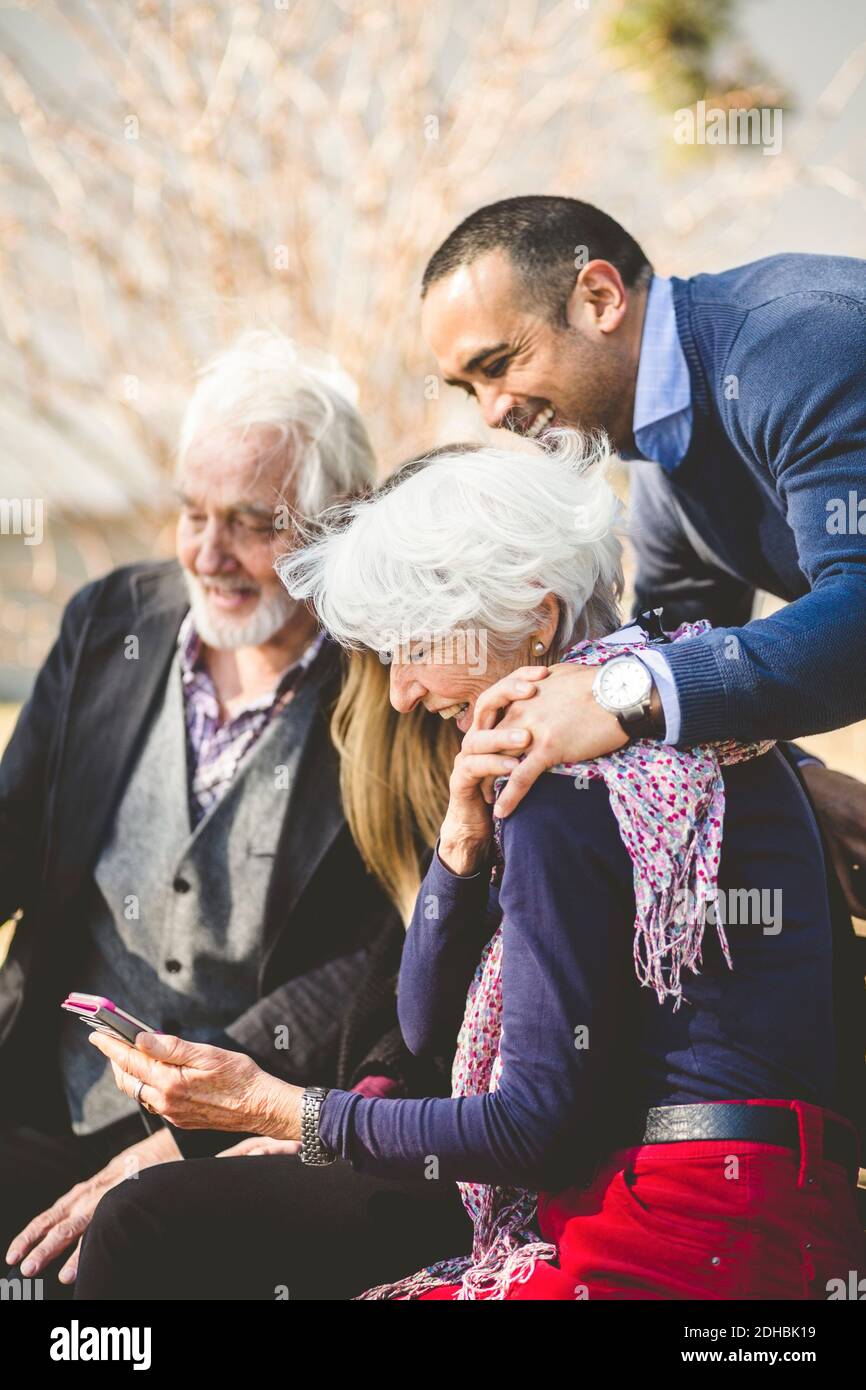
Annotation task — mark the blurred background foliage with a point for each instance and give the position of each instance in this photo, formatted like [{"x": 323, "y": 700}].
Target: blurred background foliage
[{"x": 691, "y": 50}]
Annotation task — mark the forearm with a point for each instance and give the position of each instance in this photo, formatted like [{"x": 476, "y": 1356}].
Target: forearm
[
  {"x": 470, "y": 1139},
  {"x": 448, "y": 931},
  {"x": 159, "y": 1147},
  {"x": 486, "y": 1138},
  {"x": 277, "y": 1109},
  {"x": 782, "y": 677},
  {"x": 537, "y": 1128}
]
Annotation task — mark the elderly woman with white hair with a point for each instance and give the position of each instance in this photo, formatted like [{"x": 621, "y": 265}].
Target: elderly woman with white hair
[{"x": 643, "y": 1076}]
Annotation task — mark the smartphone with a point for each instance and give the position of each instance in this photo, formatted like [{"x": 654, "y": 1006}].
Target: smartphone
[
  {"x": 106, "y": 1016},
  {"x": 95, "y": 1011}
]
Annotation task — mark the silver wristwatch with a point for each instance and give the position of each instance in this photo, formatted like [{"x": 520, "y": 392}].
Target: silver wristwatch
[
  {"x": 313, "y": 1151},
  {"x": 624, "y": 687}
]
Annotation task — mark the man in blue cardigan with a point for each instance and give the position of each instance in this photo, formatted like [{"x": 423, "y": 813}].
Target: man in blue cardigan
[{"x": 742, "y": 399}]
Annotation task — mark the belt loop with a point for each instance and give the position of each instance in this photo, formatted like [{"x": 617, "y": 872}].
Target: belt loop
[{"x": 810, "y": 1124}]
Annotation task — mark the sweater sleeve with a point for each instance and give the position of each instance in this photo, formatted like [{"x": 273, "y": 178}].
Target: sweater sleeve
[
  {"x": 567, "y": 909},
  {"x": 804, "y": 426},
  {"x": 449, "y": 928}
]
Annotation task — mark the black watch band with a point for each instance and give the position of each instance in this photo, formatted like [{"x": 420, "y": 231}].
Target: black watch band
[{"x": 642, "y": 723}]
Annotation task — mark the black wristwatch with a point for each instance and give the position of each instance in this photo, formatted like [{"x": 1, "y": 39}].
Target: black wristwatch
[{"x": 313, "y": 1151}]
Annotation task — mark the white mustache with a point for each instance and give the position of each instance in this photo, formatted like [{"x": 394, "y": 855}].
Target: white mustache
[{"x": 230, "y": 584}]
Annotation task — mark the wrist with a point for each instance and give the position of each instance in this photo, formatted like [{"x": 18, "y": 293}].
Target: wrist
[
  {"x": 163, "y": 1147},
  {"x": 625, "y": 688},
  {"x": 158, "y": 1147},
  {"x": 462, "y": 856},
  {"x": 652, "y": 724},
  {"x": 279, "y": 1114}
]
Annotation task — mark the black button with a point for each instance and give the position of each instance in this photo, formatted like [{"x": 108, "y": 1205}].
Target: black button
[
  {"x": 180, "y": 885},
  {"x": 172, "y": 966}
]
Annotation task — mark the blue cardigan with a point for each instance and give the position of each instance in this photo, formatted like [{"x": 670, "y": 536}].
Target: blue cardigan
[
  {"x": 566, "y": 899},
  {"x": 776, "y": 353}
]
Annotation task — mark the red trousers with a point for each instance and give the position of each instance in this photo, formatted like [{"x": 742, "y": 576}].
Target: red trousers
[{"x": 705, "y": 1220}]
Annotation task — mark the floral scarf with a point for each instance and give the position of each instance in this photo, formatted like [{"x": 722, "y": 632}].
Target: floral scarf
[{"x": 669, "y": 805}]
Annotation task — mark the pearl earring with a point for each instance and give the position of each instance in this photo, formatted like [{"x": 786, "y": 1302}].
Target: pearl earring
[{"x": 539, "y": 648}]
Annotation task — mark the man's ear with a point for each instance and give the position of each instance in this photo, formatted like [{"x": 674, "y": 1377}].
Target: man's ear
[{"x": 599, "y": 298}]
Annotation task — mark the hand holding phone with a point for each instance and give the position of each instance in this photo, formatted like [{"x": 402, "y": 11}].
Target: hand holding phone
[
  {"x": 105, "y": 1016},
  {"x": 95, "y": 1011}
]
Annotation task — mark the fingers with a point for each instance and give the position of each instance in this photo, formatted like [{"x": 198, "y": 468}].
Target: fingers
[
  {"x": 469, "y": 771},
  {"x": 45, "y": 1238},
  {"x": 123, "y": 1055},
  {"x": 488, "y": 788},
  {"x": 179, "y": 1052},
  {"x": 147, "y": 1096},
  {"x": 519, "y": 685},
  {"x": 33, "y": 1232},
  {"x": 497, "y": 740},
  {"x": 69, "y": 1272},
  {"x": 491, "y": 742},
  {"x": 257, "y": 1145},
  {"x": 130, "y": 1065},
  {"x": 518, "y": 784},
  {"x": 155, "y": 1050}
]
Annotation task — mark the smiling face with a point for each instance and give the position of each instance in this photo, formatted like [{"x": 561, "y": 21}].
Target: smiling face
[
  {"x": 424, "y": 673},
  {"x": 527, "y": 372},
  {"x": 226, "y": 542},
  {"x": 444, "y": 689}
]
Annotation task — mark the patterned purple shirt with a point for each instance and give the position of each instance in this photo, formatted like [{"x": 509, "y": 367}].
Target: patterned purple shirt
[{"x": 215, "y": 748}]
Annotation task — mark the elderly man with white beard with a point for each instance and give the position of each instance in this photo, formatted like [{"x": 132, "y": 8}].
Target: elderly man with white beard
[{"x": 170, "y": 819}]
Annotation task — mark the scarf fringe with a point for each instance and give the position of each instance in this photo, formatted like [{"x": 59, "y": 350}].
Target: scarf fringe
[
  {"x": 493, "y": 1281},
  {"x": 490, "y": 1279}
]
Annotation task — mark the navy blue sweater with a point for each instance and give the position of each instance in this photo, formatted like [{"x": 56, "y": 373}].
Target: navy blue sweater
[
  {"x": 776, "y": 352},
  {"x": 567, "y": 904}
]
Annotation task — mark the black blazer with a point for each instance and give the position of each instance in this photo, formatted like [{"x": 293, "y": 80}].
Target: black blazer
[{"x": 61, "y": 779}]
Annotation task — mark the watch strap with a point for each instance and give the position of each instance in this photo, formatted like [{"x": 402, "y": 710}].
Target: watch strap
[
  {"x": 313, "y": 1151},
  {"x": 640, "y": 722}
]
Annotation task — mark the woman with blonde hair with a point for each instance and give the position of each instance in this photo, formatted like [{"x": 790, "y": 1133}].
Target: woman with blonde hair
[{"x": 643, "y": 1078}]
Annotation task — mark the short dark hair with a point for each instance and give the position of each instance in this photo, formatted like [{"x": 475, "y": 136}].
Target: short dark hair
[
  {"x": 543, "y": 237},
  {"x": 414, "y": 464}
]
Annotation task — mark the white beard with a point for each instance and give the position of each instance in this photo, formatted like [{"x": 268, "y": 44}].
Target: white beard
[{"x": 224, "y": 632}]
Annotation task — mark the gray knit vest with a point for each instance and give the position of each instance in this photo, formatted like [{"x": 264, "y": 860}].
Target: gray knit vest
[{"x": 173, "y": 923}]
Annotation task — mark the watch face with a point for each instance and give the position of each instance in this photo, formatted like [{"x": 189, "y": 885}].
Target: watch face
[{"x": 623, "y": 683}]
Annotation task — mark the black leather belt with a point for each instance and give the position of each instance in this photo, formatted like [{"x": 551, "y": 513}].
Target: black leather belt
[{"x": 762, "y": 1124}]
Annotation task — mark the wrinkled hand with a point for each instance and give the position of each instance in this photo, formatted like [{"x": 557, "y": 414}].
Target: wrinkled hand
[
  {"x": 565, "y": 721},
  {"x": 840, "y": 801},
  {"x": 65, "y": 1222},
  {"x": 485, "y": 754},
  {"x": 196, "y": 1086}
]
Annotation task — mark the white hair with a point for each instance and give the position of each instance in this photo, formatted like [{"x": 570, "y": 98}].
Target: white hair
[
  {"x": 264, "y": 380},
  {"x": 472, "y": 540}
]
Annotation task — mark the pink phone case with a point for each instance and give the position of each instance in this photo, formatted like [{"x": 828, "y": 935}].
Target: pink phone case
[{"x": 105, "y": 1016}]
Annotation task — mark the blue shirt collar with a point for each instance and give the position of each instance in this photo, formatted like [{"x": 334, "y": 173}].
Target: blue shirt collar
[{"x": 662, "y": 424}]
